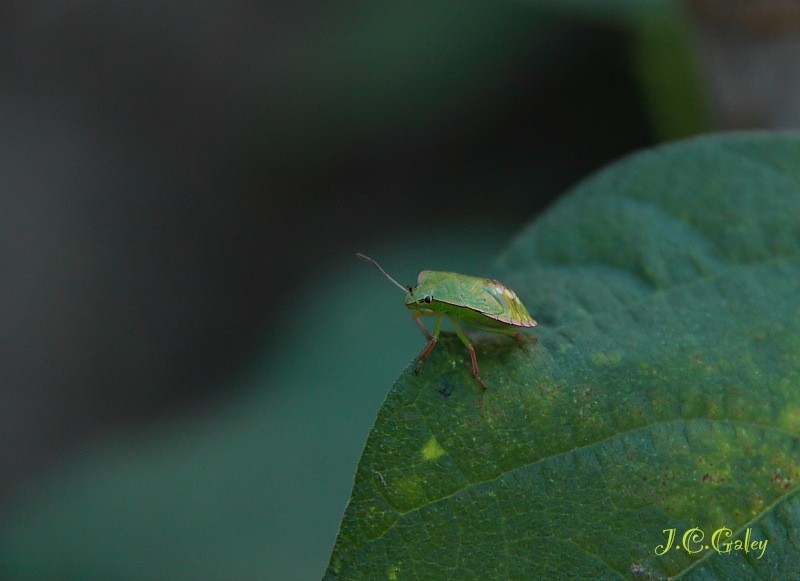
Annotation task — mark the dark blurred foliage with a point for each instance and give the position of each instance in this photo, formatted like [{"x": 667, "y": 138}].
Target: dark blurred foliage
[{"x": 171, "y": 173}]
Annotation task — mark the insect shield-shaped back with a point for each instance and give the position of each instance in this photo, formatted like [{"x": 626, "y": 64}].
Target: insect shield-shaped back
[
  {"x": 471, "y": 298},
  {"x": 514, "y": 312}
]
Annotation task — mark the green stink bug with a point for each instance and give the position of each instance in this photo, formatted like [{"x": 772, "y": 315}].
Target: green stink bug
[{"x": 481, "y": 303}]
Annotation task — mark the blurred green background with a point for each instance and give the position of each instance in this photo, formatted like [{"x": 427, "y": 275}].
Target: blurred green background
[{"x": 192, "y": 355}]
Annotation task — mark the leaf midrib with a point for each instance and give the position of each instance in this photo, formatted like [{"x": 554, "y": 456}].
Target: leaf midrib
[{"x": 643, "y": 428}]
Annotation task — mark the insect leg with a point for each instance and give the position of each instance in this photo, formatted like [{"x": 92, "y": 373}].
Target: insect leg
[
  {"x": 465, "y": 340},
  {"x": 422, "y": 328},
  {"x": 432, "y": 343}
]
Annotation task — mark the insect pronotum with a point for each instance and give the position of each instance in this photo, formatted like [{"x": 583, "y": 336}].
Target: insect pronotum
[{"x": 481, "y": 303}]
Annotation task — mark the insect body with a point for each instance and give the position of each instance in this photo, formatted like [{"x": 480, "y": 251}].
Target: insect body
[{"x": 481, "y": 303}]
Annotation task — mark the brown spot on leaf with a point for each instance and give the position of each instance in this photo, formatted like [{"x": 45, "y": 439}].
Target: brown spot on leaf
[{"x": 784, "y": 481}]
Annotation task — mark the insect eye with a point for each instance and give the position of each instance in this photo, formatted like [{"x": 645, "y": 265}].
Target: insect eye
[{"x": 428, "y": 298}]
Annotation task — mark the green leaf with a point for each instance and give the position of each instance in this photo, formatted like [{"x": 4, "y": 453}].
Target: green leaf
[{"x": 664, "y": 391}]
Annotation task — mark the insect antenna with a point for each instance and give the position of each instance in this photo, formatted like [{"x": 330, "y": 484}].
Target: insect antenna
[{"x": 383, "y": 272}]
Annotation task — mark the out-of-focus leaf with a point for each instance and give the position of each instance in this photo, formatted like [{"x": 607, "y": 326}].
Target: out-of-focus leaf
[
  {"x": 668, "y": 70},
  {"x": 253, "y": 488},
  {"x": 664, "y": 392}
]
